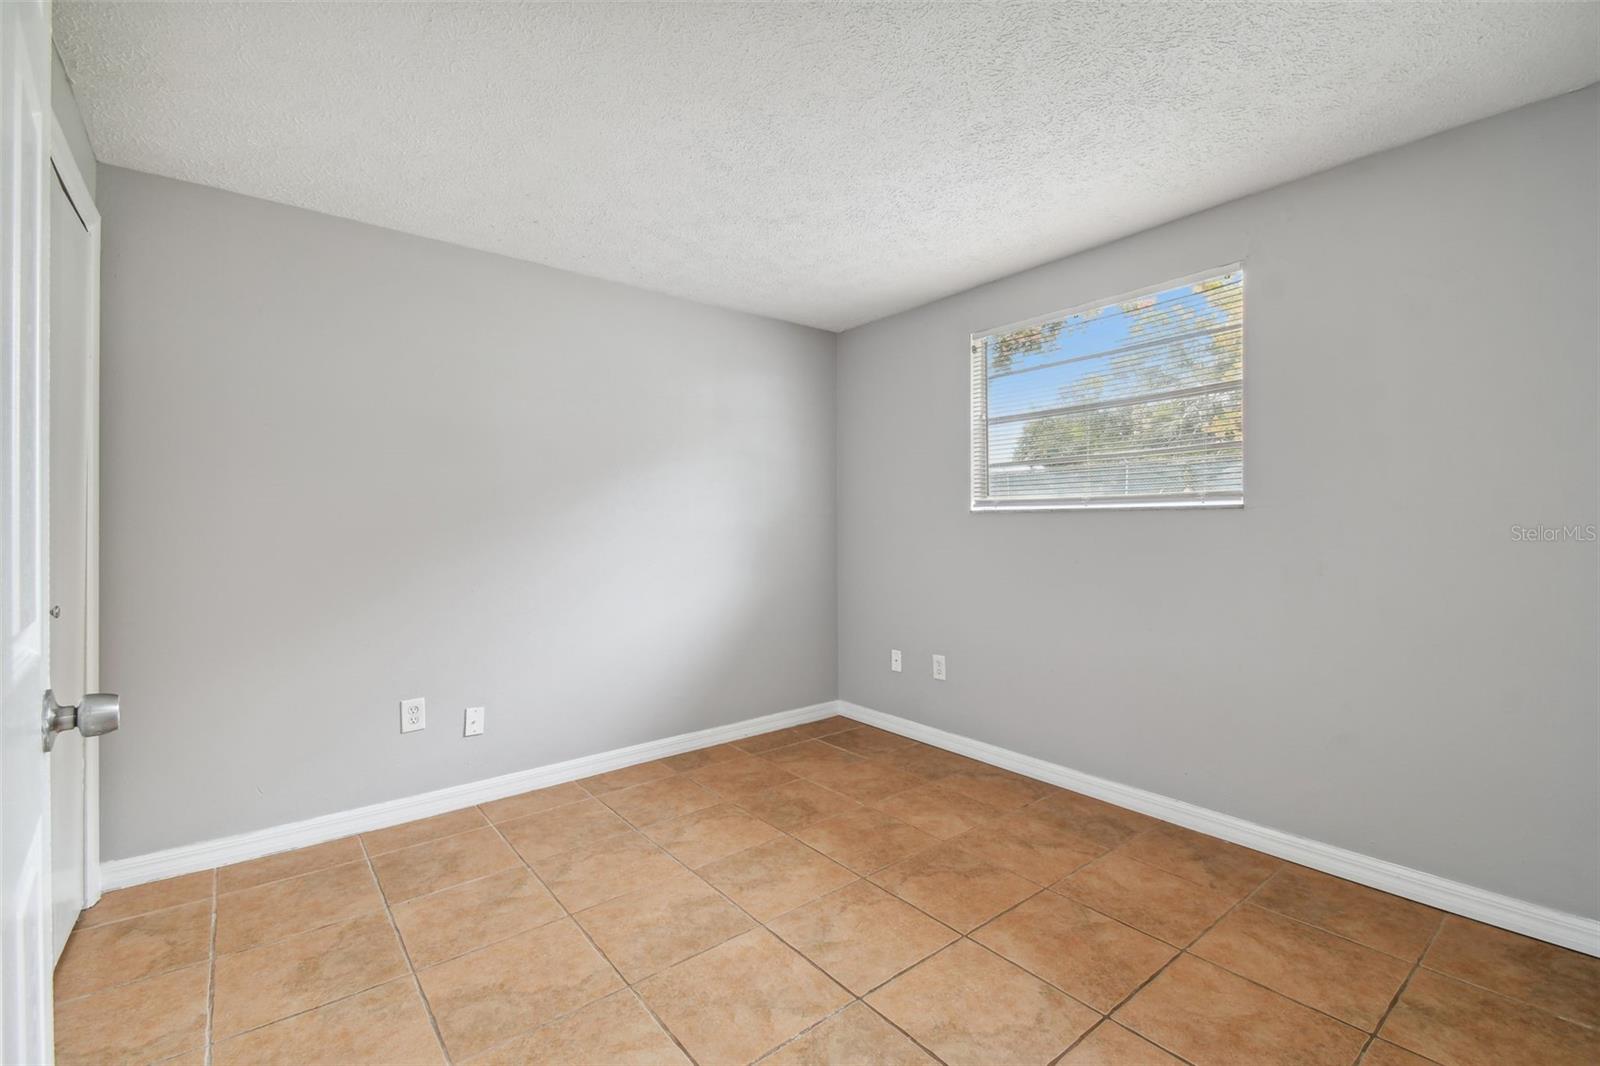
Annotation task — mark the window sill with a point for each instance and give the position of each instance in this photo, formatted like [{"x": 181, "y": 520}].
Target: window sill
[{"x": 1213, "y": 503}]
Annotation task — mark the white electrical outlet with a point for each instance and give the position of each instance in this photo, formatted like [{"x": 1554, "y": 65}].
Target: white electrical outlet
[
  {"x": 413, "y": 715},
  {"x": 938, "y": 667},
  {"x": 473, "y": 725},
  {"x": 894, "y": 660}
]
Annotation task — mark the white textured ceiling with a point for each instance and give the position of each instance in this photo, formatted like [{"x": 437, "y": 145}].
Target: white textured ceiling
[{"x": 823, "y": 163}]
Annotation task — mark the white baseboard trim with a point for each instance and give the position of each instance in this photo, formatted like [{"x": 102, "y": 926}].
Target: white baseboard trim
[
  {"x": 190, "y": 858},
  {"x": 1544, "y": 923}
]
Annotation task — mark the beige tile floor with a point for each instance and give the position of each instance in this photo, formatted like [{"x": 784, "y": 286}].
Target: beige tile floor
[{"x": 829, "y": 893}]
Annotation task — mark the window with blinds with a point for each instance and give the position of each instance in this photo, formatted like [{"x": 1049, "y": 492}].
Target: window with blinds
[{"x": 1134, "y": 403}]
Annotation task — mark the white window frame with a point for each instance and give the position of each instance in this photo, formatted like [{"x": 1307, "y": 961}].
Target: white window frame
[{"x": 981, "y": 503}]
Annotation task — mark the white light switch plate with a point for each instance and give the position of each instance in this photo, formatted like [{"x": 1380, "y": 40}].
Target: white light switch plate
[
  {"x": 894, "y": 660},
  {"x": 473, "y": 725}
]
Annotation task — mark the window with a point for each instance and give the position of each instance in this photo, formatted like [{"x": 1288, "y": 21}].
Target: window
[{"x": 1134, "y": 403}]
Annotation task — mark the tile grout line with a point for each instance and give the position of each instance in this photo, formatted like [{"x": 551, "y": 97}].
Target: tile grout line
[
  {"x": 724, "y": 798},
  {"x": 1400, "y": 992},
  {"x": 758, "y": 923},
  {"x": 859, "y": 877},
  {"x": 405, "y": 952},
  {"x": 327, "y": 1003},
  {"x": 571, "y": 917},
  {"x": 216, "y": 902},
  {"x": 1250, "y": 899},
  {"x": 967, "y": 936},
  {"x": 211, "y": 965},
  {"x": 1180, "y": 953}
]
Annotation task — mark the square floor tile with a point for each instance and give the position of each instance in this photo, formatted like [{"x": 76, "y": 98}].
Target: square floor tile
[
  {"x": 465, "y": 917},
  {"x": 702, "y": 757},
  {"x": 303, "y": 971},
  {"x": 134, "y": 948},
  {"x": 994, "y": 787},
  {"x": 155, "y": 896},
  {"x": 627, "y": 777},
  {"x": 1104, "y": 823},
  {"x": 1208, "y": 862},
  {"x": 1336, "y": 976},
  {"x": 488, "y": 996},
  {"x": 657, "y": 801},
  {"x": 936, "y": 811},
  {"x": 856, "y": 1036},
  {"x": 383, "y": 1025},
  {"x": 955, "y": 886},
  {"x": 1090, "y": 957},
  {"x": 865, "y": 840},
  {"x": 1393, "y": 925},
  {"x": 278, "y": 909},
  {"x": 144, "y": 1021},
  {"x": 865, "y": 780},
  {"x": 837, "y": 723},
  {"x": 797, "y": 803},
  {"x": 736, "y": 779},
  {"x": 925, "y": 761},
  {"x": 526, "y": 803},
  {"x": 1565, "y": 983},
  {"x": 866, "y": 740},
  {"x": 1456, "y": 1024},
  {"x": 714, "y": 833},
  {"x": 573, "y": 825},
  {"x": 424, "y": 868},
  {"x": 1210, "y": 1017},
  {"x": 420, "y": 832},
  {"x": 1030, "y": 846},
  {"x": 1154, "y": 901},
  {"x": 289, "y": 864},
  {"x": 861, "y": 935},
  {"x": 969, "y": 1006},
  {"x": 609, "y": 869},
  {"x": 615, "y": 1031},
  {"x": 809, "y": 756},
  {"x": 663, "y": 923},
  {"x": 775, "y": 877},
  {"x": 741, "y": 999},
  {"x": 770, "y": 741},
  {"x": 1109, "y": 1044}
]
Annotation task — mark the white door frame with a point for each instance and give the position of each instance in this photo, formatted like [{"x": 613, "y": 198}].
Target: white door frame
[
  {"x": 26, "y": 1021},
  {"x": 66, "y": 167}
]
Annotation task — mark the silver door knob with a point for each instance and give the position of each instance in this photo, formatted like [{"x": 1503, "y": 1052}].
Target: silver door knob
[{"x": 95, "y": 714}]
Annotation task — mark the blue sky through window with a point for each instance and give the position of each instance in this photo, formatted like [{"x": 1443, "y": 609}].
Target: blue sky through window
[{"x": 1019, "y": 387}]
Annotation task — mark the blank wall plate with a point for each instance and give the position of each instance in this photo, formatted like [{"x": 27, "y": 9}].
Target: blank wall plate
[
  {"x": 472, "y": 726},
  {"x": 413, "y": 715}
]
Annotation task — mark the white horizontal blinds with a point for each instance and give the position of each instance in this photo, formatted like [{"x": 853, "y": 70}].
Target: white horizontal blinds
[{"x": 1140, "y": 400}]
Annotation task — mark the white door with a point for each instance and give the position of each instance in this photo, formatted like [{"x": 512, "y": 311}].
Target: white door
[
  {"x": 25, "y": 956},
  {"x": 74, "y": 235}
]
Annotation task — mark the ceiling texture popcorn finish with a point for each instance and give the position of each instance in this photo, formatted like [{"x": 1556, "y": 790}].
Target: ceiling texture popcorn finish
[{"x": 828, "y": 164}]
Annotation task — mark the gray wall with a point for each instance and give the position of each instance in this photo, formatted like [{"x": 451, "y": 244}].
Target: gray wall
[
  {"x": 1364, "y": 654},
  {"x": 344, "y": 466}
]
